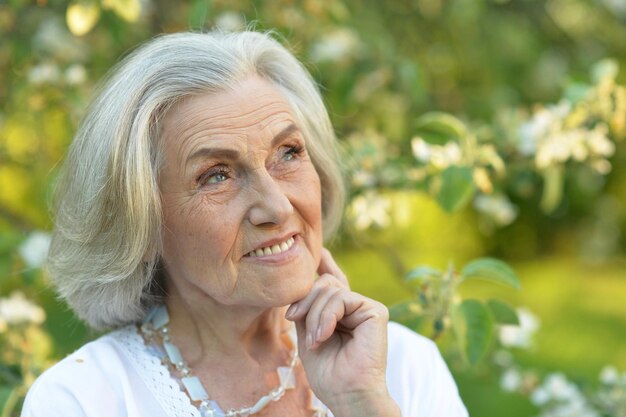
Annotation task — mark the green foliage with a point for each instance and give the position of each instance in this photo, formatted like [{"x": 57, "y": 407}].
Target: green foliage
[
  {"x": 514, "y": 119},
  {"x": 456, "y": 189},
  {"x": 474, "y": 325},
  {"x": 438, "y": 128},
  {"x": 502, "y": 313},
  {"x": 492, "y": 270},
  {"x": 437, "y": 306}
]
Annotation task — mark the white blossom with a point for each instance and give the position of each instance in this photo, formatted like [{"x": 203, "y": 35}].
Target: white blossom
[
  {"x": 609, "y": 375},
  {"x": 75, "y": 74},
  {"x": 539, "y": 126},
  {"x": 370, "y": 209},
  {"x": 230, "y": 22},
  {"x": 559, "y": 397},
  {"x": 45, "y": 73},
  {"x": 363, "y": 178},
  {"x": 510, "y": 380},
  {"x": 421, "y": 149},
  {"x": 17, "y": 309},
  {"x": 601, "y": 166},
  {"x": 598, "y": 142},
  {"x": 498, "y": 207},
  {"x": 540, "y": 396},
  {"x": 35, "y": 249},
  {"x": 520, "y": 336},
  {"x": 440, "y": 156},
  {"x": 559, "y": 388},
  {"x": 335, "y": 45}
]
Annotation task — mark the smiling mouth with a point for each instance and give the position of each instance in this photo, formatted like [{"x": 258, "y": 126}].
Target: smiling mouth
[{"x": 272, "y": 250}]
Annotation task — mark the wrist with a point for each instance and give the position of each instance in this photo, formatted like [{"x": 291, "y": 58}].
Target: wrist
[{"x": 374, "y": 404}]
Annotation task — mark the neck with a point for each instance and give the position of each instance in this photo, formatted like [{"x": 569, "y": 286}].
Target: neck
[{"x": 202, "y": 328}]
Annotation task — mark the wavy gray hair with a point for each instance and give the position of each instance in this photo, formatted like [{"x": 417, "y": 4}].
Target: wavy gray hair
[{"x": 106, "y": 242}]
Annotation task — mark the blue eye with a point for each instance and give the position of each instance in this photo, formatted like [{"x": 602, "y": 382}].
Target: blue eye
[
  {"x": 292, "y": 152},
  {"x": 217, "y": 177},
  {"x": 213, "y": 176}
]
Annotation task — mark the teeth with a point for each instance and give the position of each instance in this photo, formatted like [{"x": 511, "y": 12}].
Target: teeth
[{"x": 272, "y": 250}]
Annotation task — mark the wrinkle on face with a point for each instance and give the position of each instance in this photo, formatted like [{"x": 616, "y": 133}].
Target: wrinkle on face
[{"x": 208, "y": 226}]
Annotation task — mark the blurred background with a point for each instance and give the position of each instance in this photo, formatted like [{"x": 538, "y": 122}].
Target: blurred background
[{"x": 469, "y": 129}]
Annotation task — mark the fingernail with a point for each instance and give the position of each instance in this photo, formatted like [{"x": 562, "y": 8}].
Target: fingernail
[{"x": 291, "y": 311}]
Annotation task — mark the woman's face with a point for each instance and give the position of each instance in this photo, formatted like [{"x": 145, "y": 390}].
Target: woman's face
[{"x": 241, "y": 199}]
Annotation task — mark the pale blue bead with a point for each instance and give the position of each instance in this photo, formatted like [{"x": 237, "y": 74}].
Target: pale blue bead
[
  {"x": 150, "y": 314},
  {"x": 160, "y": 318},
  {"x": 207, "y": 413},
  {"x": 209, "y": 408},
  {"x": 173, "y": 353},
  {"x": 194, "y": 388},
  {"x": 286, "y": 376},
  {"x": 260, "y": 404}
]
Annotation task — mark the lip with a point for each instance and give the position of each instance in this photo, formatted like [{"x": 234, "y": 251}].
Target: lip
[{"x": 278, "y": 257}]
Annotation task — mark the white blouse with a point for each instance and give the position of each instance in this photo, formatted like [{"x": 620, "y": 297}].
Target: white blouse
[{"x": 116, "y": 375}]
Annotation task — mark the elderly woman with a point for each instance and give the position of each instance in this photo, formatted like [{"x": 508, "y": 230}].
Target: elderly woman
[{"x": 191, "y": 218}]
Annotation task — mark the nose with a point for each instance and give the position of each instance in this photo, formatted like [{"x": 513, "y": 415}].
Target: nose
[{"x": 269, "y": 204}]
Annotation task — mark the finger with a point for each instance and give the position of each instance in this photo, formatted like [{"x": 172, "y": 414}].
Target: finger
[
  {"x": 350, "y": 311},
  {"x": 300, "y": 308},
  {"x": 316, "y": 314},
  {"x": 329, "y": 266},
  {"x": 301, "y": 332}
]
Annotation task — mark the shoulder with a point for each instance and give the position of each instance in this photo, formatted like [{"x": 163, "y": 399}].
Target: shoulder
[
  {"x": 82, "y": 384},
  {"x": 411, "y": 358},
  {"x": 418, "y": 377},
  {"x": 403, "y": 340}
]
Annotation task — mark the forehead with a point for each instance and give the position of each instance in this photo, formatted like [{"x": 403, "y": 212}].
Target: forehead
[{"x": 252, "y": 105}]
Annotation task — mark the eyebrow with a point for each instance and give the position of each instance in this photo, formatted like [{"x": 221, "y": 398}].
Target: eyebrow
[{"x": 232, "y": 153}]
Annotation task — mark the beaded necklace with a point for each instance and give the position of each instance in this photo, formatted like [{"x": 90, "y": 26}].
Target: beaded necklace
[{"x": 155, "y": 331}]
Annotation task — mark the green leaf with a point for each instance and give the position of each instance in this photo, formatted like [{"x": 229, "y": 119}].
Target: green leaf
[
  {"x": 502, "y": 312},
  {"x": 491, "y": 270},
  {"x": 474, "y": 326},
  {"x": 439, "y": 128},
  {"x": 552, "y": 189},
  {"x": 7, "y": 400},
  {"x": 457, "y": 188},
  {"x": 408, "y": 313},
  {"x": 422, "y": 273}
]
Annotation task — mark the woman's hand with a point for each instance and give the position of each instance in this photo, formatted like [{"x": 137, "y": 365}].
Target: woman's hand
[{"x": 342, "y": 339}]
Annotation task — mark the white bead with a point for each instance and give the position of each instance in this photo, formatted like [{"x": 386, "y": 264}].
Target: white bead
[
  {"x": 263, "y": 401},
  {"x": 160, "y": 317},
  {"x": 194, "y": 388},
  {"x": 286, "y": 376}
]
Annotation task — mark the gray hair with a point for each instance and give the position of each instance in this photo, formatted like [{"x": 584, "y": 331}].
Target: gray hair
[{"x": 106, "y": 242}]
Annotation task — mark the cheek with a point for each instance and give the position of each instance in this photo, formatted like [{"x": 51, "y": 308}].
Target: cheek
[
  {"x": 193, "y": 230},
  {"x": 312, "y": 208}
]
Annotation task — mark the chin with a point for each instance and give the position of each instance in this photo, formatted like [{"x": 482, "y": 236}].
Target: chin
[{"x": 295, "y": 294}]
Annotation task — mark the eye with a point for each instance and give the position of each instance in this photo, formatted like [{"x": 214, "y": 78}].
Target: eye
[
  {"x": 213, "y": 176},
  {"x": 292, "y": 152},
  {"x": 218, "y": 177}
]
